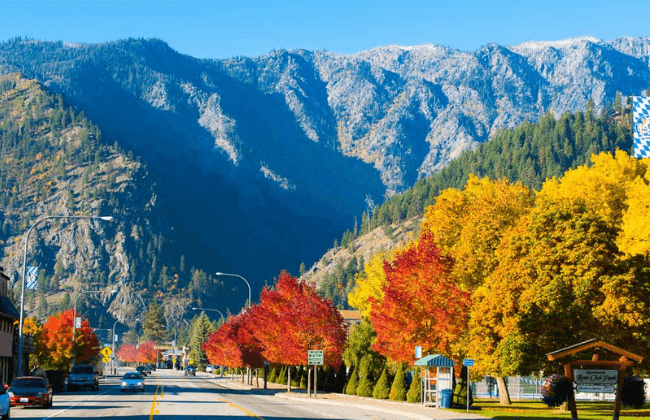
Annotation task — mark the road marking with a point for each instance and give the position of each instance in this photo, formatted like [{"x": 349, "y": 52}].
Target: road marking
[
  {"x": 79, "y": 403},
  {"x": 248, "y": 413}
]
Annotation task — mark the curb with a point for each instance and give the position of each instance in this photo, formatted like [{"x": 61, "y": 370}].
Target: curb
[{"x": 363, "y": 406}]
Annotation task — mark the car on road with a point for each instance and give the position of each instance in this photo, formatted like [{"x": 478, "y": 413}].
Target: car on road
[
  {"x": 83, "y": 376},
  {"x": 141, "y": 370},
  {"x": 190, "y": 371},
  {"x": 209, "y": 368},
  {"x": 30, "y": 390},
  {"x": 132, "y": 381},
  {"x": 5, "y": 403},
  {"x": 147, "y": 369}
]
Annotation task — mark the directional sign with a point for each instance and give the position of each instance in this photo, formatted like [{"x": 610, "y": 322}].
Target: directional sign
[
  {"x": 315, "y": 357},
  {"x": 106, "y": 352},
  {"x": 599, "y": 389},
  {"x": 468, "y": 362}
]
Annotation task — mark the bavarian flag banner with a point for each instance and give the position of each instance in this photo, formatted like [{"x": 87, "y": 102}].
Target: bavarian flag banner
[{"x": 641, "y": 118}]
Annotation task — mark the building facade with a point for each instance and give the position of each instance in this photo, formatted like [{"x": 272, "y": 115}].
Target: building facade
[{"x": 9, "y": 318}]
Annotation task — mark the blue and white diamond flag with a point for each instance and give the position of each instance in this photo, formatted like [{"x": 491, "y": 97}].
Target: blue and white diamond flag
[
  {"x": 31, "y": 280},
  {"x": 641, "y": 119}
]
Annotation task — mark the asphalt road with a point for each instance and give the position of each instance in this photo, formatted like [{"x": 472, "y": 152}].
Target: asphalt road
[{"x": 168, "y": 395}]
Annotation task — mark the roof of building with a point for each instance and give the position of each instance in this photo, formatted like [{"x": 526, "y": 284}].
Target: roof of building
[
  {"x": 435, "y": 360},
  {"x": 590, "y": 344},
  {"x": 7, "y": 308},
  {"x": 350, "y": 315}
]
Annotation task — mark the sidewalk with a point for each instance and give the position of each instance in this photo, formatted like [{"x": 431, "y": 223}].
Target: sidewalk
[{"x": 404, "y": 409}]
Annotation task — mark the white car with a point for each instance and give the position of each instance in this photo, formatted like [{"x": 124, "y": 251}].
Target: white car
[
  {"x": 209, "y": 368},
  {"x": 5, "y": 403},
  {"x": 132, "y": 381}
]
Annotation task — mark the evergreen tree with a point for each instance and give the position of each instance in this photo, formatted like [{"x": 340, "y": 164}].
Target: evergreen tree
[
  {"x": 353, "y": 382},
  {"x": 272, "y": 375},
  {"x": 460, "y": 390},
  {"x": 200, "y": 333},
  {"x": 152, "y": 326},
  {"x": 304, "y": 377},
  {"x": 282, "y": 377},
  {"x": 366, "y": 382},
  {"x": 341, "y": 379},
  {"x": 414, "y": 394},
  {"x": 398, "y": 390},
  {"x": 382, "y": 389}
]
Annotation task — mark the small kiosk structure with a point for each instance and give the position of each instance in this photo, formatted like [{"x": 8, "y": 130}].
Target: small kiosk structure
[
  {"x": 595, "y": 375},
  {"x": 432, "y": 386}
]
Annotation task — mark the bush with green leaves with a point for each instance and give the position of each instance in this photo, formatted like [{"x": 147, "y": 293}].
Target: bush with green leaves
[
  {"x": 415, "y": 391},
  {"x": 382, "y": 389},
  {"x": 398, "y": 390},
  {"x": 341, "y": 379},
  {"x": 353, "y": 382},
  {"x": 282, "y": 376},
  {"x": 633, "y": 392},
  {"x": 366, "y": 381},
  {"x": 460, "y": 391},
  {"x": 272, "y": 375}
]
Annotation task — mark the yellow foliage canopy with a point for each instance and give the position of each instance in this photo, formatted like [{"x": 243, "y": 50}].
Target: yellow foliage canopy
[{"x": 369, "y": 283}]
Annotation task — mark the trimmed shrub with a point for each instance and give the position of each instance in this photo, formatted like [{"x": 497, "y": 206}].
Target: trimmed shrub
[
  {"x": 272, "y": 375},
  {"x": 382, "y": 389},
  {"x": 633, "y": 392},
  {"x": 296, "y": 374},
  {"x": 460, "y": 391},
  {"x": 353, "y": 383},
  {"x": 341, "y": 379},
  {"x": 415, "y": 391},
  {"x": 304, "y": 377},
  {"x": 398, "y": 390},
  {"x": 330, "y": 379},
  {"x": 282, "y": 377},
  {"x": 366, "y": 381}
]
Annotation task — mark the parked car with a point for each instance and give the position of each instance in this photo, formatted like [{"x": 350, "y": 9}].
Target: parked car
[
  {"x": 141, "y": 370},
  {"x": 209, "y": 368},
  {"x": 132, "y": 381},
  {"x": 190, "y": 370},
  {"x": 147, "y": 369},
  {"x": 30, "y": 390},
  {"x": 83, "y": 376},
  {"x": 5, "y": 403}
]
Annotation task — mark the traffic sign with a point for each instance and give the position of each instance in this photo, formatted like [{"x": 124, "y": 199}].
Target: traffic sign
[
  {"x": 106, "y": 359},
  {"x": 315, "y": 357},
  {"x": 106, "y": 352},
  {"x": 468, "y": 362}
]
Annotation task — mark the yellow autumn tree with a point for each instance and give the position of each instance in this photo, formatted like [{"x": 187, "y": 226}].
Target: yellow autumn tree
[
  {"x": 634, "y": 238},
  {"x": 469, "y": 224},
  {"x": 369, "y": 283}
]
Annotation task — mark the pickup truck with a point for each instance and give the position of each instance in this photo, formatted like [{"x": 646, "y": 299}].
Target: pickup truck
[{"x": 83, "y": 376}]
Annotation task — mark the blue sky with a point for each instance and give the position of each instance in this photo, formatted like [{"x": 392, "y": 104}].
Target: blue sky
[{"x": 221, "y": 29}]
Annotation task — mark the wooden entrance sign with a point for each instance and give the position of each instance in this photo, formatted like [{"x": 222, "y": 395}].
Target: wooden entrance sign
[{"x": 595, "y": 373}]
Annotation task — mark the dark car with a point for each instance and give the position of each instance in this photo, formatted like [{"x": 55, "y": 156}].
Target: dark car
[
  {"x": 30, "y": 390},
  {"x": 83, "y": 376},
  {"x": 148, "y": 369},
  {"x": 190, "y": 371},
  {"x": 141, "y": 370}
]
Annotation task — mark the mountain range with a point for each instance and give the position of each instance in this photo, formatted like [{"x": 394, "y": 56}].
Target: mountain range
[{"x": 258, "y": 163}]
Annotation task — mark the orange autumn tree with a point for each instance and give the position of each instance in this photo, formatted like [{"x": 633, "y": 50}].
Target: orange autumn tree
[
  {"x": 422, "y": 304},
  {"x": 127, "y": 353},
  {"x": 234, "y": 344},
  {"x": 146, "y": 353},
  {"x": 55, "y": 351}
]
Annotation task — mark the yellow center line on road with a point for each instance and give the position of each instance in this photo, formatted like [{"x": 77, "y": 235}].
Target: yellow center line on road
[
  {"x": 153, "y": 411},
  {"x": 233, "y": 405}
]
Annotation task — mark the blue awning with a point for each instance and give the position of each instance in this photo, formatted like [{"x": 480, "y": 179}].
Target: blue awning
[{"x": 434, "y": 360}]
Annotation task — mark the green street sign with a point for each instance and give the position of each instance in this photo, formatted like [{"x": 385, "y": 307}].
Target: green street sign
[{"x": 315, "y": 357}]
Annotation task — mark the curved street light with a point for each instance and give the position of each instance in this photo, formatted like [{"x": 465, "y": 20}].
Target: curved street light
[
  {"x": 22, "y": 293},
  {"x": 207, "y": 309},
  {"x": 247, "y": 284}
]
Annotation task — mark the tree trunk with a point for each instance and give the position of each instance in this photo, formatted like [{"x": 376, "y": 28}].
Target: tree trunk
[
  {"x": 289, "y": 379},
  {"x": 504, "y": 396}
]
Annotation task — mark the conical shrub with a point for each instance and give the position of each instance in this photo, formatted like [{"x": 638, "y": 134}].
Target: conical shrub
[
  {"x": 272, "y": 375},
  {"x": 382, "y": 389},
  {"x": 366, "y": 381},
  {"x": 415, "y": 391},
  {"x": 460, "y": 391},
  {"x": 296, "y": 376},
  {"x": 353, "y": 383},
  {"x": 398, "y": 390},
  {"x": 330, "y": 379},
  {"x": 282, "y": 376},
  {"x": 341, "y": 379},
  {"x": 304, "y": 378}
]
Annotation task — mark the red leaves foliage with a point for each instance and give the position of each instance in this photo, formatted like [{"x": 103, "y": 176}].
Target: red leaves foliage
[
  {"x": 146, "y": 353},
  {"x": 127, "y": 353},
  {"x": 290, "y": 319},
  {"x": 422, "y": 305},
  {"x": 57, "y": 341}
]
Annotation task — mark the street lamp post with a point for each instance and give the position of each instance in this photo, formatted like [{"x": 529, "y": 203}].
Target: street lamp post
[
  {"x": 22, "y": 293},
  {"x": 247, "y": 284},
  {"x": 113, "y": 347},
  {"x": 215, "y": 310},
  {"x": 74, "y": 320}
]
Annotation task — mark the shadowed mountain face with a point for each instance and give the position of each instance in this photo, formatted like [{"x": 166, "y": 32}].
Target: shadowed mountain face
[{"x": 261, "y": 162}]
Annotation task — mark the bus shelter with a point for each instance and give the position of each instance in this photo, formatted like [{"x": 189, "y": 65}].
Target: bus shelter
[{"x": 432, "y": 386}]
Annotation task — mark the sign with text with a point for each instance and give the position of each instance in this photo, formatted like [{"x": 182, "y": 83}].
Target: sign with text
[
  {"x": 468, "y": 362},
  {"x": 598, "y": 389},
  {"x": 315, "y": 357},
  {"x": 602, "y": 377}
]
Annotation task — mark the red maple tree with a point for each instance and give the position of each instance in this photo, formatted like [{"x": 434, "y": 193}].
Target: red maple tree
[
  {"x": 147, "y": 353},
  {"x": 57, "y": 342},
  {"x": 291, "y": 319},
  {"x": 422, "y": 305},
  {"x": 235, "y": 344},
  {"x": 127, "y": 353}
]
